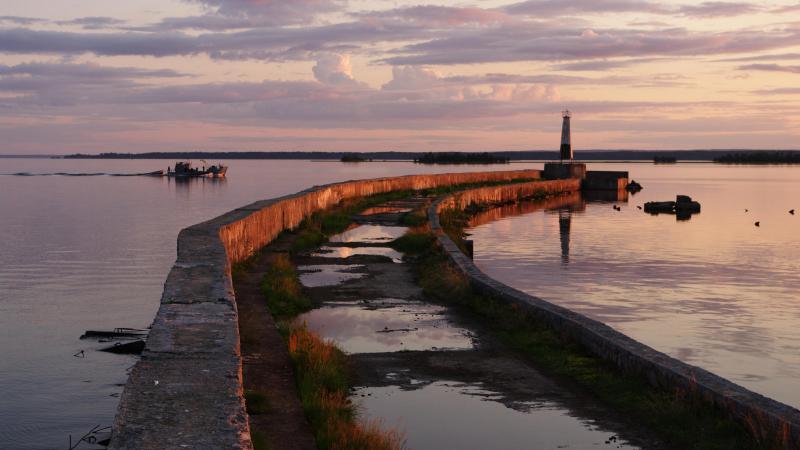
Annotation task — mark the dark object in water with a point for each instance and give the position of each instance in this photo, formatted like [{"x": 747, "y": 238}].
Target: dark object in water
[
  {"x": 659, "y": 207},
  {"x": 117, "y": 333},
  {"x": 185, "y": 170},
  {"x": 791, "y": 211},
  {"x": 128, "y": 348},
  {"x": 758, "y": 224},
  {"x": 683, "y": 207},
  {"x": 633, "y": 186}
]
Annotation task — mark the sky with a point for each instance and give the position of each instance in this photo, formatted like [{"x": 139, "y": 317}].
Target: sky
[{"x": 175, "y": 75}]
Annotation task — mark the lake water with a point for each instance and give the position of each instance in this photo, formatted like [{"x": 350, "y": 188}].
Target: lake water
[
  {"x": 84, "y": 253},
  {"x": 714, "y": 291},
  {"x": 92, "y": 252}
]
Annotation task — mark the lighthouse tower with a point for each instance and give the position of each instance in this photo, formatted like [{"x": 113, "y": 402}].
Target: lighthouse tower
[
  {"x": 566, "y": 137},
  {"x": 566, "y": 167}
]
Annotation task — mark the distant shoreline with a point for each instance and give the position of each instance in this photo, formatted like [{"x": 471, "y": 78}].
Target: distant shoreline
[
  {"x": 606, "y": 156},
  {"x": 514, "y": 156}
]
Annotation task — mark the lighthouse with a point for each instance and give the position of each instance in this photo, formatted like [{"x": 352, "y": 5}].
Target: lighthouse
[
  {"x": 566, "y": 167},
  {"x": 566, "y": 137}
]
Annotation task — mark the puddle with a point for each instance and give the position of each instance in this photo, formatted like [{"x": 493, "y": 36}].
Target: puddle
[
  {"x": 328, "y": 275},
  {"x": 346, "y": 252},
  {"x": 384, "y": 210},
  {"x": 370, "y": 234},
  {"x": 387, "y": 325},
  {"x": 446, "y": 414}
]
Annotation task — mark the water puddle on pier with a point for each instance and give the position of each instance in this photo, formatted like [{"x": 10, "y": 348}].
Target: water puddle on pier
[
  {"x": 370, "y": 234},
  {"x": 346, "y": 252},
  {"x": 447, "y": 414},
  {"x": 328, "y": 275},
  {"x": 387, "y": 325}
]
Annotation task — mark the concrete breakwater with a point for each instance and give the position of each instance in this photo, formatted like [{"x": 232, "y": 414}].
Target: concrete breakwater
[
  {"x": 770, "y": 421},
  {"x": 186, "y": 391}
]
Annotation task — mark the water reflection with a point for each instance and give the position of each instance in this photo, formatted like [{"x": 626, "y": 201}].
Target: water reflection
[
  {"x": 387, "y": 325},
  {"x": 328, "y": 274},
  {"x": 184, "y": 185},
  {"x": 449, "y": 414},
  {"x": 715, "y": 291},
  {"x": 370, "y": 234},
  {"x": 346, "y": 252}
]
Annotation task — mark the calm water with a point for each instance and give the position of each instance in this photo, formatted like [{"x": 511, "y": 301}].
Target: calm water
[
  {"x": 714, "y": 291},
  {"x": 92, "y": 252}
]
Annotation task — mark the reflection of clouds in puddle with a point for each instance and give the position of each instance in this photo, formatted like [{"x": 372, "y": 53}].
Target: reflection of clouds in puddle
[
  {"x": 370, "y": 234},
  {"x": 328, "y": 275},
  {"x": 346, "y": 252},
  {"x": 427, "y": 417},
  {"x": 387, "y": 327}
]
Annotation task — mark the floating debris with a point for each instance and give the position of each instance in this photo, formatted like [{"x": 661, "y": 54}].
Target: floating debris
[
  {"x": 633, "y": 186},
  {"x": 128, "y": 348},
  {"x": 118, "y": 333}
]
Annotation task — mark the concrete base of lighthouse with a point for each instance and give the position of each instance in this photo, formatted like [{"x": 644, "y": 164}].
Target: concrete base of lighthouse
[{"x": 564, "y": 170}]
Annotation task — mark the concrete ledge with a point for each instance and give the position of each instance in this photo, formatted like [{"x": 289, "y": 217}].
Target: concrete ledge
[
  {"x": 186, "y": 391},
  {"x": 764, "y": 417}
]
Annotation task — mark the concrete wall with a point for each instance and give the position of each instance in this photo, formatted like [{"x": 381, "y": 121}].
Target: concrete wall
[
  {"x": 186, "y": 390},
  {"x": 765, "y": 417},
  {"x": 603, "y": 180}
]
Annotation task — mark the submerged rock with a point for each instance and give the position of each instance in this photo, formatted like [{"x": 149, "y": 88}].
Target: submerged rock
[
  {"x": 633, "y": 186},
  {"x": 683, "y": 206}
]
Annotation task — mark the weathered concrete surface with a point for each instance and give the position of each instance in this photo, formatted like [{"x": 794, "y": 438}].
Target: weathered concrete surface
[
  {"x": 601, "y": 180},
  {"x": 508, "y": 193},
  {"x": 767, "y": 419},
  {"x": 186, "y": 391}
]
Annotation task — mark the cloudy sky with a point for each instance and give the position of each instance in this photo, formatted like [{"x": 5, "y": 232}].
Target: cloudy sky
[{"x": 160, "y": 75}]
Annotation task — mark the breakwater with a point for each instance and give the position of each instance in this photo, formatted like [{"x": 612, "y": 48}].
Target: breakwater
[
  {"x": 186, "y": 390},
  {"x": 768, "y": 420}
]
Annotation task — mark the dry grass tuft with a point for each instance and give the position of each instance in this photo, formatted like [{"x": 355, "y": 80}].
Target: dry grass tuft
[{"x": 323, "y": 380}]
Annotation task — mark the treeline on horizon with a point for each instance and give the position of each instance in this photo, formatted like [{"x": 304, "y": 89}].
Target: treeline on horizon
[
  {"x": 762, "y": 157},
  {"x": 461, "y": 158},
  {"x": 540, "y": 155},
  {"x": 721, "y": 156}
]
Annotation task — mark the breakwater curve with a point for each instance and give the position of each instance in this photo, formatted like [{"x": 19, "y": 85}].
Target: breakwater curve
[
  {"x": 769, "y": 421},
  {"x": 186, "y": 390}
]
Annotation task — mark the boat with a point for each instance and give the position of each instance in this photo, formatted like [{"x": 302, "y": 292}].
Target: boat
[{"x": 184, "y": 169}]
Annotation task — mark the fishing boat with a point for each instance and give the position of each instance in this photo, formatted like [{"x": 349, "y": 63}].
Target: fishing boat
[{"x": 184, "y": 169}]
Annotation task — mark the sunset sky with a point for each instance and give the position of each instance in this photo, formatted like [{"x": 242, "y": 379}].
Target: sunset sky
[{"x": 171, "y": 75}]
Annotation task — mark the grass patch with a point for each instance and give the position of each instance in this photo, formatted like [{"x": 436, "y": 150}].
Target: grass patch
[
  {"x": 676, "y": 417},
  {"x": 415, "y": 241},
  {"x": 323, "y": 374},
  {"x": 282, "y": 289},
  {"x": 414, "y": 219}
]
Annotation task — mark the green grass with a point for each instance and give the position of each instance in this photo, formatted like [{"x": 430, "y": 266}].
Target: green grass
[
  {"x": 415, "y": 241},
  {"x": 283, "y": 291},
  {"x": 677, "y": 418},
  {"x": 323, "y": 377}
]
